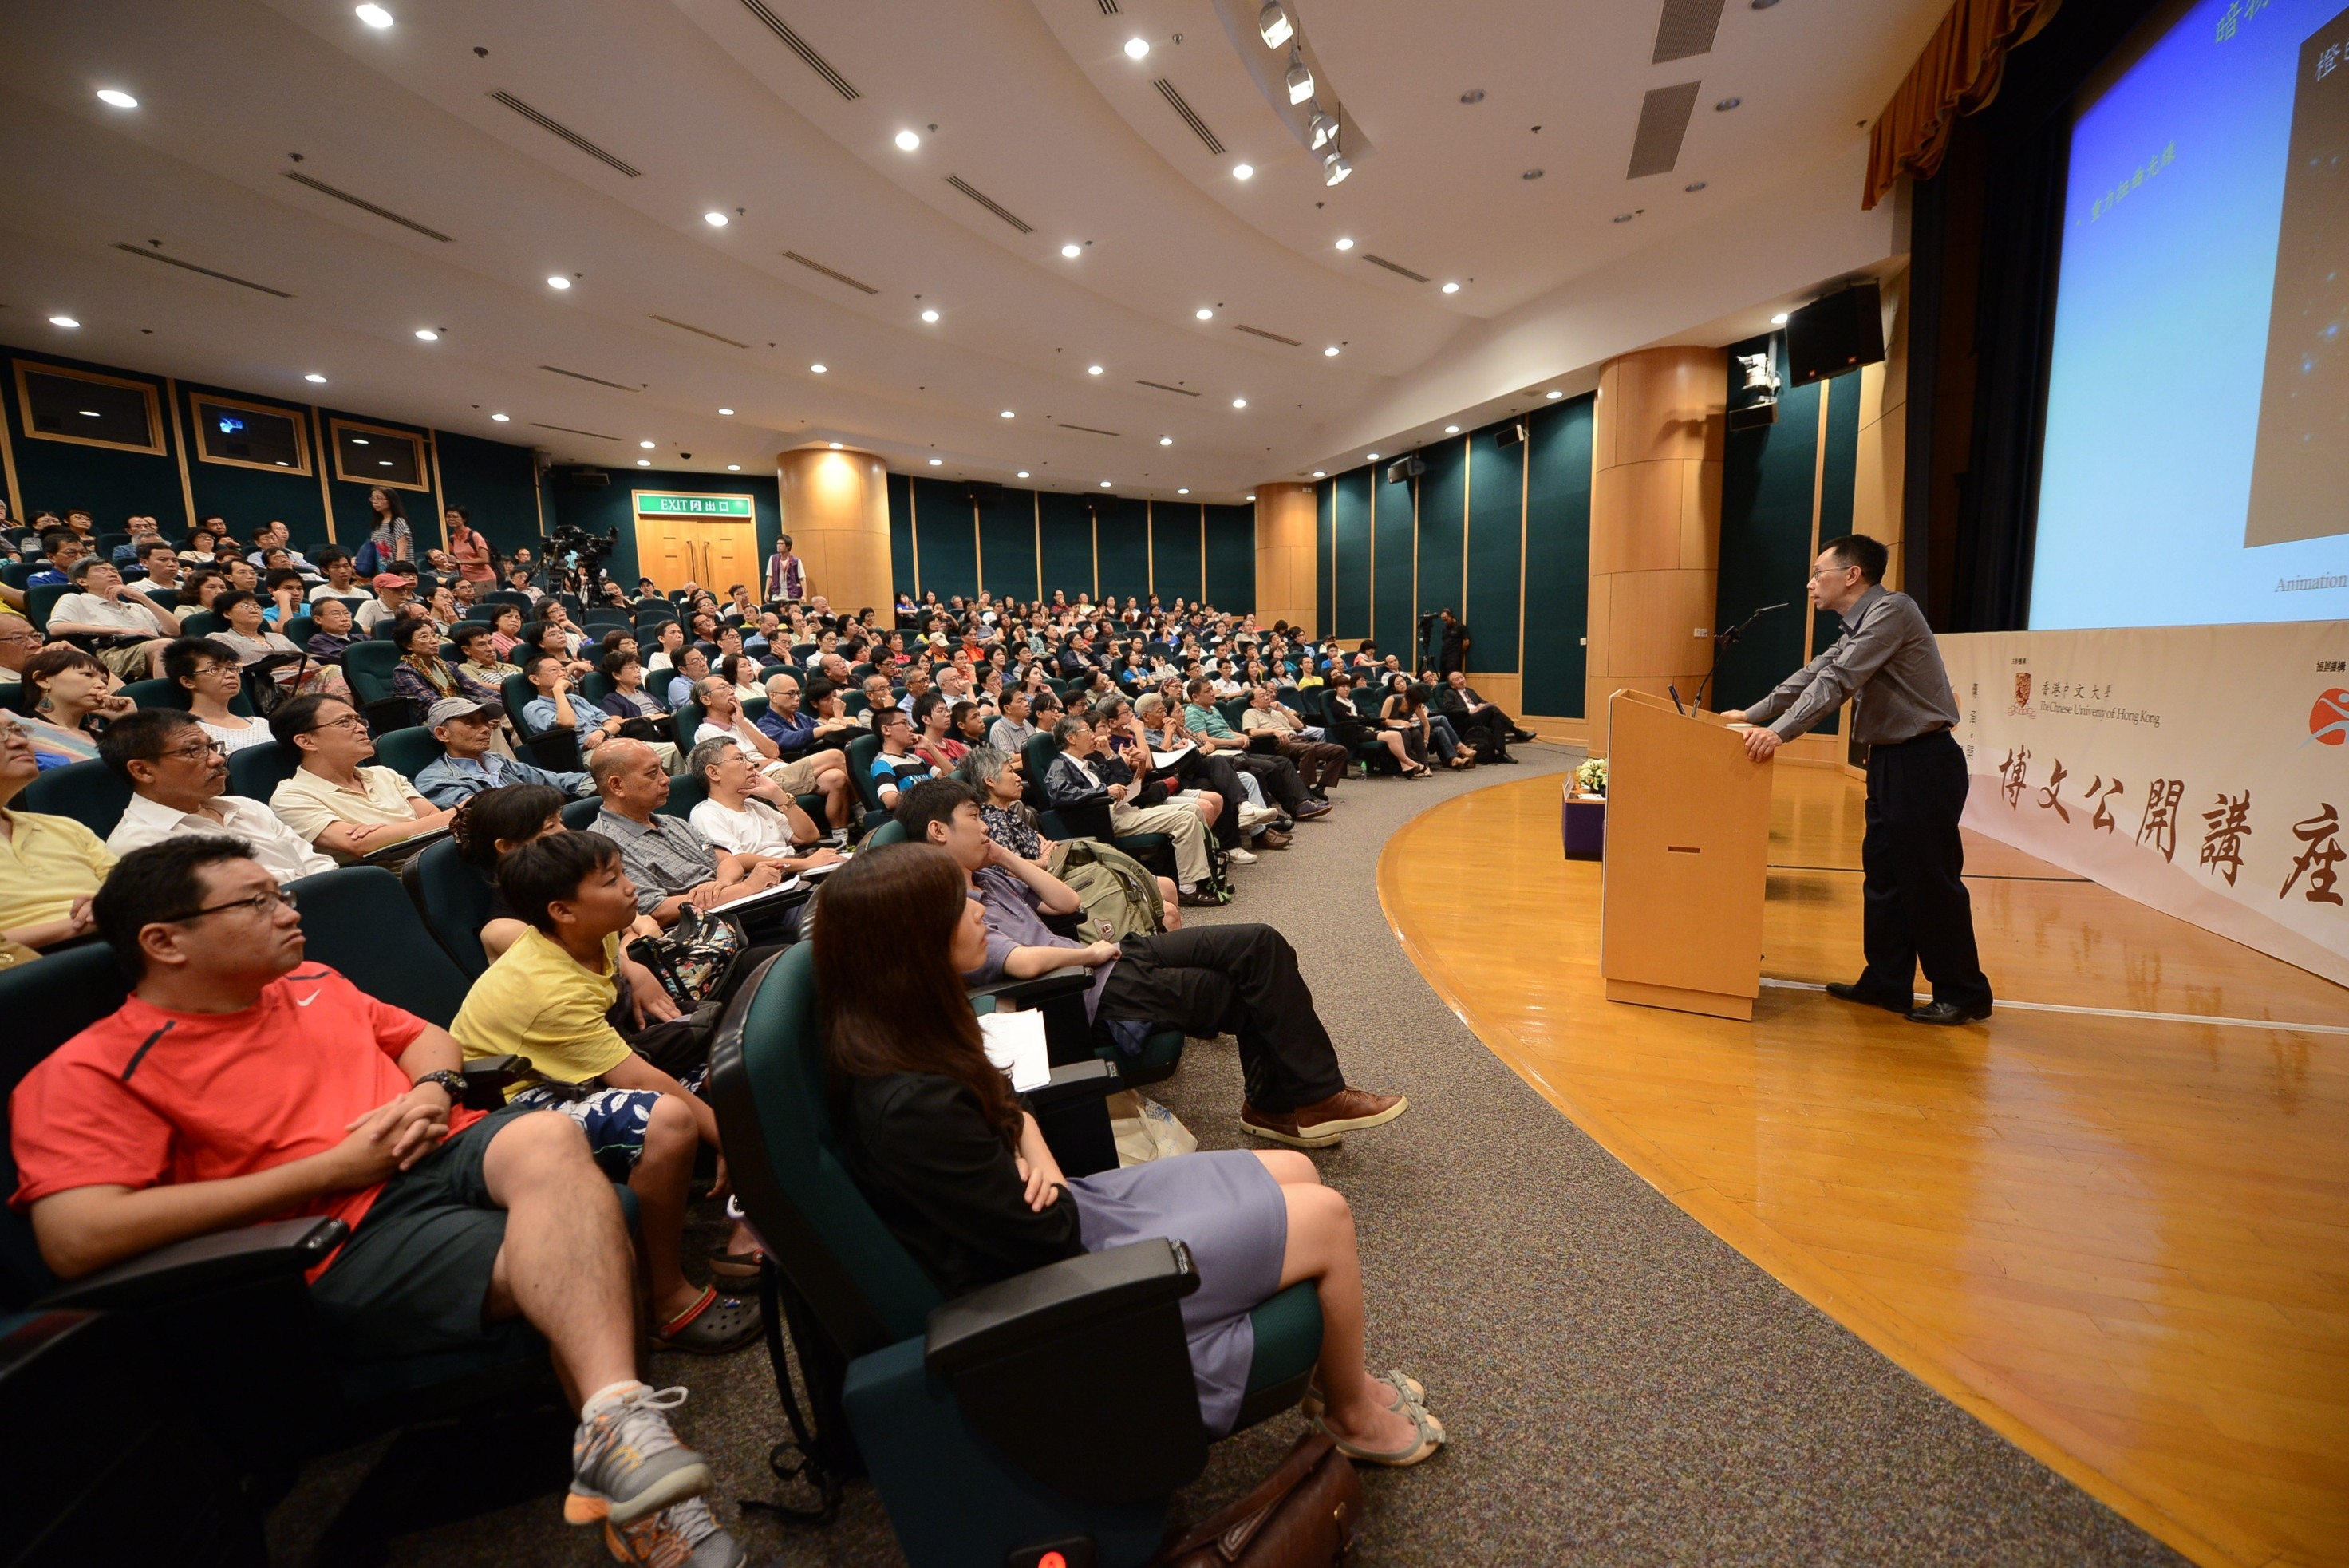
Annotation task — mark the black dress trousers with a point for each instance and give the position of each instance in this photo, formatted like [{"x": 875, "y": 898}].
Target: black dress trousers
[
  {"x": 1236, "y": 979},
  {"x": 1917, "y": 909}
]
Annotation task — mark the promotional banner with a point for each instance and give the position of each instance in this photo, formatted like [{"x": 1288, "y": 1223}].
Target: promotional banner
[{"x": 2201, "y": 770}]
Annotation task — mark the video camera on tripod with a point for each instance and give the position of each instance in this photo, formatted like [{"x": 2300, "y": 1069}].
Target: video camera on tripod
[{"x": 578, "y": 557}]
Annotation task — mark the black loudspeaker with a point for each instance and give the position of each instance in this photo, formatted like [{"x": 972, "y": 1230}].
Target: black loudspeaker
[
  {"x": 1753, "y": 416},
  {"x": 1509, "y": 435},
  {"x": 1405, "y": 468},
  {"x": 586, "y": 478},
  {"x": 982, "y": 492},
  {"x": 1831, "y": 336}
]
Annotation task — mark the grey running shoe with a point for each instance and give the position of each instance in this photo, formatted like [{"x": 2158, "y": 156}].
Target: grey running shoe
[
  {"x": 625, "y": 1462},
  {"x": 681, "y": 1535}
]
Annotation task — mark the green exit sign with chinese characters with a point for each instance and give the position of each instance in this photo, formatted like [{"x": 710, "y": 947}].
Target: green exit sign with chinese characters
[{"x": 658, "y": 504}]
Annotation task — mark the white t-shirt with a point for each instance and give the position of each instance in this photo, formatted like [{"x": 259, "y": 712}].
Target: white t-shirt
[
  {"x": 714, "y": 731},
  {"x": 756, "y": 829}
]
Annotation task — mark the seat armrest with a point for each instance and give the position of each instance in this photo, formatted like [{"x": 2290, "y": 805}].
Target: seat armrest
[
  {"x": 1075, "y": 1083},
  {"x": 1067, "y": 980},
  {"x": 203, "y": 1264},
  {"x": 487, "y": 1079},
  {"x": 1025, "y": 1312}
]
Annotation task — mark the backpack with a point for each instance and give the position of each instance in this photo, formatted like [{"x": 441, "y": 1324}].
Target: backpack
[{"x": 1120, "y": 895}]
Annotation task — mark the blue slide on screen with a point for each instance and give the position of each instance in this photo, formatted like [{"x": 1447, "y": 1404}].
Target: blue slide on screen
[{"x": 2195, "y": 467}]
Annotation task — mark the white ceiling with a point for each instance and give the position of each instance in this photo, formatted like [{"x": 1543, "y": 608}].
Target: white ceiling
[{"x": 1034, "y": 103}]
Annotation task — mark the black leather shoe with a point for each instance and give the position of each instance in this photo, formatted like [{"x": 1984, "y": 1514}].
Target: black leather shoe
[
  {"x": 1842, "y": 992},
  {"x": 1946, "y": 1013}
]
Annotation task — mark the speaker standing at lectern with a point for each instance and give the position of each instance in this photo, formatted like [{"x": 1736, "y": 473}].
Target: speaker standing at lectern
[{"x": 1886, "y": 661}]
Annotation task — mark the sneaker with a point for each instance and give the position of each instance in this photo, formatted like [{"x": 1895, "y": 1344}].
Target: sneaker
[
  {"x": 1311, "y": 809},
  {"x": 1239, "y": 857},
  {"x": 1252, "y": 817},
  {"x": 625, "y": 1462},
  {"x": 1324, "y": 1122},
  {"x": 683, "y": 1535}
]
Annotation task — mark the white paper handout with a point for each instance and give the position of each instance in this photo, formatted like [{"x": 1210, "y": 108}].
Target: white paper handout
[{"x": 1015, "y": 1043}]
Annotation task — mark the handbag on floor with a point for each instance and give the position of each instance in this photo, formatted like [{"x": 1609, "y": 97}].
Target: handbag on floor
[{"x": 1301, "y": 1516}]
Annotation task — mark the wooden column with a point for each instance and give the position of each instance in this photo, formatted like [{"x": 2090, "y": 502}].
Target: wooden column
[
  {"x": 1285, "y": 554},
  {"x": 836, "y": 509},
  {"x": 1882, "y": 469},
  {"x": 1655, "y": 524}
]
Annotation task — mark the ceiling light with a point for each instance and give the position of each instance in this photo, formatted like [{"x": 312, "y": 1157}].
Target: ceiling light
[
  {"x": 1370, "y": 457},
  {"x": 1243, "y": 171},
  {"x": 1184, "y": 491},
  {"x": 1531, "y": 175},
  {"x": 1203, "y": 314},
  {"x": 1324, "y": 127},
  {"x": 1725, "y": 105},
  {"x": 1092, "y": 369},
  {"x": 1273, "y": 25},
  {"x": 1023, "y": 474},
  {"x": 733, "y": 468},
  {"x": 907, "y": 141},
  {"x": 1553, "y": 394},
  {"x": 383, "y": 462},
  {"x": 644, "y": 462},
  {"x": 1007, "y": 413},
  {"x": 817, "y": 368},
  {"x": 428, "y": 335},
  {"x": 89, "y": 413},
  {"x": 1334, "y": 168},
  {"x": 1105, "y": 484},
  {"x": 1136, "y": 47},
  {"x": 1317, "y": 473},
  {"x": 118, "y": 97},
  {"x": 1346, "y": 245},
  {"x": 836, "y": 446},
  {"x": 715, "y": 220},
  {"x": 1693, "y": 186},
  {"x": 1473, "y": 94},
  {"x": 374, "y": 17},
  {"x": 1239, "y": 402},
  {"x": 1072, "y": 250},
  {"x": 935, "y": 461},
  {"x": 1451, "y": 429},
  {"x": 558, "y": 282},
  {"x": 1779, "y": 320},
  {"x": 359, "y": 440},
  {"x": 501, "y": 418},
  {"x": 1330, "y": 352},
  {"x": 1625, "y": 217},
  {"x": 1251, "y": 498},
  {"x": 1451, "y": 289},
  {"x": 645, "y": 444},
  {"x": 314, "y": 376},
  {"x": 930, "y": 315},
  {"x": 726, "y": 411},
  {"x": 63, "y": 321},
  {"x": 1301, "y": 80},
  {"x": 1165, "y": 441}
]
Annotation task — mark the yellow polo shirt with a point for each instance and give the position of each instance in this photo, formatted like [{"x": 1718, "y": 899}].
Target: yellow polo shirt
[
  {"x": 539, "y": 1001},
  {"x": 310, "y": 804},
  {"x": 46, "y": 863}
]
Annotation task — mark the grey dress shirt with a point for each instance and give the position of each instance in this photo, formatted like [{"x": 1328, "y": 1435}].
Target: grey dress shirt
[
  {"x": 663, "y": 857},
  {"x": 1888, "y": 658}
]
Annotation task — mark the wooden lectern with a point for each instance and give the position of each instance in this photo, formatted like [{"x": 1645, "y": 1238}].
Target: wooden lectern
[{"x": 1688, "y": 847}]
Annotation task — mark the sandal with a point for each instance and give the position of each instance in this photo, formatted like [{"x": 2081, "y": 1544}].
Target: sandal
[
  {"x": 712, "y": 1325},
  {"x": 1427, "y": 1439},
  {"x": 1406, "y": 1388},
  {"x": 740, "y": 1268}
]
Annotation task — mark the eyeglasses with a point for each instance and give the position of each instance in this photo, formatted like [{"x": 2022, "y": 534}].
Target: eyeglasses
[
  {"x": 202, "y": 751},
  {"x": 351, "y": 721},
  {"x": 1818, "y": 572},
  {"x": 262, "y": 904}
]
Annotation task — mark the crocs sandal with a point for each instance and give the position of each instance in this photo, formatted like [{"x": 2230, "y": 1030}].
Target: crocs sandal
[
  {"x": 1427, "y": 1437},
  {"x": 712, "y": 1325},
  {"x": 1407, "y": 1390},
  {"x": 739, "y": 1268}
]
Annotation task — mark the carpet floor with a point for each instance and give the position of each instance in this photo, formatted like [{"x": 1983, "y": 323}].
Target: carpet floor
[{"x": 1619, "y": 1385}]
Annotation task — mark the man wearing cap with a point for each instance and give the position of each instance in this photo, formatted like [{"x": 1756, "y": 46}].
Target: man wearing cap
[
  {"x": 391, "y": 591},
  {"x": 467, "y": 765}
]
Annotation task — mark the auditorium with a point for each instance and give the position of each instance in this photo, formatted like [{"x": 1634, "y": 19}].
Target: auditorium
[{"x": 710, "y": 725}]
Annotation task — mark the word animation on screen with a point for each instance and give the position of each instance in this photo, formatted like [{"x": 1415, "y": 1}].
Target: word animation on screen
[{"x": 2197, "y": 461}]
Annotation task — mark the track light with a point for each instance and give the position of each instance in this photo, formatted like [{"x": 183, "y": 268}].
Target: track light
[
  {"x": 1324, "y": 127},
  {"x": 1273, "y": 25},
  {"x": 1334, "y": 168},
  {"x": 1300, "y": 79}
]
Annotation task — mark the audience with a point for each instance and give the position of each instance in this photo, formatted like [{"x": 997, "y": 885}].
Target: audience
[
  {"x": 747, "y": 813},
  {"x": 1320, "y": 763},
  {"x": 50, "y": 867},
  {"x": 1075, "y": 784},
  {"x": 672, "y": 864},
  {"x": 178, "y": 776},
  {"x": 334, "y": 801},
  {"x": 126, "y": 629},
  {"x": 74, "y": 698},
  {"x": 465, "y": 729},
  {"x": 18, "y": 643},
  {"x": 823, "y": 773},
  {"x": 628, "y": 699},
  {"x": 213, "y": 677},
  {"x": 391, "y": 591},
  {"x": 895, "y": 765}
]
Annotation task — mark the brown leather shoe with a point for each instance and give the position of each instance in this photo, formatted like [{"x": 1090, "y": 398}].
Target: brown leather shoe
[
  {"x": 1272, "y": 838},
  {"x": 1325, "y": 1122}
]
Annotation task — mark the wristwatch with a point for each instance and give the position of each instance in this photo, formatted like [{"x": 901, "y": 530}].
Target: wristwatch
[{"x": 452, "y": 1084}]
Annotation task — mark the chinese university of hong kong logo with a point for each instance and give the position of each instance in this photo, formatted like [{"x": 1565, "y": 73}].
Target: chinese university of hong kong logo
[
  {"x": 2021, "y": 694},
  {"x": 2328, "y": 721}
]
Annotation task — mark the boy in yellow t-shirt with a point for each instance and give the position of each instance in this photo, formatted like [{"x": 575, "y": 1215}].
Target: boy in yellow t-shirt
[{"x": 548, "y": 997}]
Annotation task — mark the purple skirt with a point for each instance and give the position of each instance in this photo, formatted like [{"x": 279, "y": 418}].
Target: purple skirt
[{"x": 1228, "y": 1210}]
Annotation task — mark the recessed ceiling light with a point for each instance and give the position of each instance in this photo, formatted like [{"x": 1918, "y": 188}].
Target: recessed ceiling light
[
  {"x": 715, "y": 220},
  {"x": 733, "y": 468},
  {"x": 1007, "y": 413},
  {"x": 930, "y": 315},
  {"x": 836, "y": 446},
  {"x": 118, "y": 97},
  {"x": 1203, "y": 314},
  {"x": 1370, "y": 457},
  {"x": 727, "y": 412},
  {"x": 1451, "y": 429},
  {"x": 1317, "y": 474},
  {"x": 645, "y": 444},
  {"x": 1345, "y": 244},
  {"x": 1725, "y": 105},
  {"x": 501, "y": 419},
  {"x": 1243, "y": 171},
  {"x": 1779, "y": 320},
  {"x": 907, "y": 141},
  {"x": 1693, "y": 186},
  {"x": 63, "y": 321},
  {"x": 89, "y": 413},
  {"x": 428, "y": 335},
  {"x": 314, "y": 376},
  {"x": 1092, "y": 369},
  {"x": 1301, "y": 80},
  {"x": 1072, "y": 250},
  {"x": 383, "y": 462},
  {"x": 817, "y": 368},
  {"x": 1136, "y": 47},
  {"x": 1186, "y": 490},
  {"x": 1330, "y": 352},
  {"x": 1023, "y": 474},
  {"x": 644, "y": 462},
  {"x": 935, "y": 461},
  {"x": 1239, "y": 402},
  {"x": 1473, "y": 94},
  {"x": 1451, "y": 289},
  {"x": 1625, "y": 217},
  {"x": 558, "y": 281},
  {"x": 374, "y": 17},
  {"x": 1553, "y": 394},
  {"x": 1165, "y": 441},
  {"x": 1105, "y": 484},
  {"x": 1251, "y": 498},
  {"x": 359, "y": 440},
  {"x": 1273, "y": 25},
  {"x": 1531, "y": 175}
]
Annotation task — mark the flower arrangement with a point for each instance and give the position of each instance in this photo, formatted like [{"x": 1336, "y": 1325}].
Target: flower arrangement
[{"x": 1590, "y": 778}]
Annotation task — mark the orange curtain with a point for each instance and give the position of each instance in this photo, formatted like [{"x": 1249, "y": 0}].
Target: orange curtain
[{"x": 1958, "y": 74}]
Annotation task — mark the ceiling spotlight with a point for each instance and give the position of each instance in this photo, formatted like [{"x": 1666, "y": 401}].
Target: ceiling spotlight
[
  {"x": 1370, "y": 457},
  {"x": 1330, "y": 352},
  {"x": 715, "y": 220},
  {"x": 1165, "y": 441},
  {"x": 1451, "y": 289},
  {"x": 1092, "y": 369},
  {"x": 1317, "y": 473},
  {"x": 1300, "y": 79},
  {"x": 1203, "y": 314},
  {"x": 1334, "y": 168},
  {"x": 1531, "y": 175},
  {"x": 1273, "y": 25},
  {"x": 1136, "y": 47},
  {"x": 1346, "y": 245},
  {"x": 1239, "y": 402},
  {"x": 1243, "y": 171},
  {"x": 836, "y": 446},
  {"x": 733, "y": 468},
  {"x": 1324, "y": 127},
  {"x": 645, "y": 444},
  {"x": 817, "y": 368},
  {"x": 63, "y": 321},
  {"x": 1105, "y": 484},
  {"x": 1693, "y": 186},
  {"x": 1072, "y": 250},
  {"x": 374, "y": 17},
  {"x": 426, "y": 333},
  {"x": 1021, "y": 474},
  {"x": 935, "y": 461},
  {"x": 118, "y": 97},
  {"x": 1007, "y": 413},
  {"x": 1553, "y": 394},
  {"x": 1451, "y": 429},
  {"x": 1779, "y": 320},
  {"x": 644, "y": 462},
  {"x": 501, "y": 418},
  {"x": 907, "y": 141},
  {"x": 727, "y": 412},
  {"x": 1725, "y": 105},
  {"x": 315, "y": 376},
  {"x": 930, "y": 315},
  {"x": 558, "y": 281},
  {"x": 1184, "y": 489}
]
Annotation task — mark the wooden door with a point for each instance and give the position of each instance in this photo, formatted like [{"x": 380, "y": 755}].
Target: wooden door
[{"x": 712, "y": 552}]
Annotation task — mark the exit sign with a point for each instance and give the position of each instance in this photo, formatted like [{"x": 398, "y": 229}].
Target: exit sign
[{"x": 658, "y": 504}]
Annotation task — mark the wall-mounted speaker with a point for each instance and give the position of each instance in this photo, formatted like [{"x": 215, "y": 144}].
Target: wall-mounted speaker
[
  {"x": 586, "y": 478},
  {"x": 1509, "y": 434},
  {"x": 1829, "y": 336},
  {"x": 1405, "y": 468}
]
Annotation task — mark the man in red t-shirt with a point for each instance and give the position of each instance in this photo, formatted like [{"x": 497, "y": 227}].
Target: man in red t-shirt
[{"x": 239, "y": 1085}]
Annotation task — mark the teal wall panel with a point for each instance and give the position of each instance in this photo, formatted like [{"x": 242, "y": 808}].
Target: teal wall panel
[
  {"x": 1351, "y": 551},
  {"x": 1495, "y": 548},
  {"x": 900, "y": 490},
  {"x": 497, "y": 482},
  {"x": 1766, "y": 478},
  {"x": 1177, "y": 559},
  {"x": 1442, "y": 524},
  {"x": 1325, "y": 556},
  {"x": 1557, "y": 556},
  {"x": 1395, "y": 525},
  {"x": 1007, "y": 545},
  {"x": 1122, "y": 536},
  {"x": 946, "y": 530},
  {"x": 1231, "y": 558},
  {"x": 1067, "y": 544}
]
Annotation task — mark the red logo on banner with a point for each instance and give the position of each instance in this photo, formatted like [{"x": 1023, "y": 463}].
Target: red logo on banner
[
  {"x": 2328, "y": 721},
  {"x": 2023, "y": 689}
]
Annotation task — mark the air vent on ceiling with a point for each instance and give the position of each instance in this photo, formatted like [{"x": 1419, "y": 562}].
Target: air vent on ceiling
[
  {"x": 583, "y": 376},
  {"x": 1686, "y": 28},
  {"x": 803, "y": 48},
  {"x": 1190, "y": 116},
  {"x": 1089, "y": 430},
  {"x": 1165, "y": 388},
  {"x": 365, "y": 205},
  {"x": 991, "y": 203},
  {"x": 190, "y": 267},
  {"x": 567, "y": 430},
  {"x": 548, "y": 123},
  {"x": 1108, "y": 7},
  {"x": 828, "y": 272},
  {"x": 1275, "y": 336},
  {"x": 700, "y": 331},
  {"x": 1663, "y": 120},
  {"x": 1401, "y": 271}
]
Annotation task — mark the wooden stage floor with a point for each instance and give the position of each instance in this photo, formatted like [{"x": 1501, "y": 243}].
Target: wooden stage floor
[{"x": 2120, "y": 1240}]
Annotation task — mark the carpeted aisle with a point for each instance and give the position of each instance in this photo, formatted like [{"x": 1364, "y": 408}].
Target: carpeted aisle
[{"x": 1619, "y": 1387}]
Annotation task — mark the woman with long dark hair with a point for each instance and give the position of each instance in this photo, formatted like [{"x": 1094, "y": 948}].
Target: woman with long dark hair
[
  {"x": 958, "y": 1170},
  {"x": 391, "y": 538}
]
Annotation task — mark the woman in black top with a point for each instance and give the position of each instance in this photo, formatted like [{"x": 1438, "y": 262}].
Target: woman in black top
[{"x": 957, "y": 1170}]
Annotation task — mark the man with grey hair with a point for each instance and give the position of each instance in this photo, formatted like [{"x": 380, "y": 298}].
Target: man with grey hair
[
  {"x": 746, "y": 813},
  {"x": 822, "y": 773},
  {"x": 669, "y": 859},
  {"x": 129, "y": 628}
]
